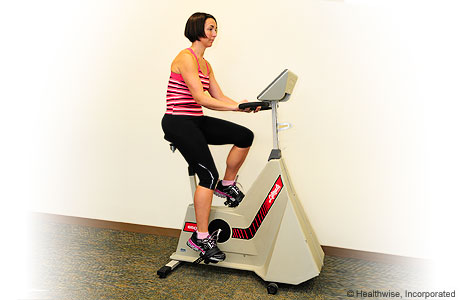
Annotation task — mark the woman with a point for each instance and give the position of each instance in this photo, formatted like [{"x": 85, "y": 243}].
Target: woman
[{"x": 185, "y": 125}]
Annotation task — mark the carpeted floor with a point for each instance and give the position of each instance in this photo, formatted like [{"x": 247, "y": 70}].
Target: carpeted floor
[{"x": 77, "y": 262}]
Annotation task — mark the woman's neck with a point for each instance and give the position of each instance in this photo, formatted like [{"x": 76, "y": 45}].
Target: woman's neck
[{"x": 198, "y": 48}]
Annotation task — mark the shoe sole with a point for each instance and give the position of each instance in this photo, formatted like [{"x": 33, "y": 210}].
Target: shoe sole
[
  {"x": 223, "y": 195},
  {"x": 197, "y": 248}
]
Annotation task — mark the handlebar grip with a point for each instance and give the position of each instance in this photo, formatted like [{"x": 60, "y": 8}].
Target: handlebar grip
[{"x": 254, "y": 105}]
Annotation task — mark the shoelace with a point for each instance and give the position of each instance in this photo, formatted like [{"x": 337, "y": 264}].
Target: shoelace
[
  {"x": 211, "y": 241},
  {"x": 239, "y": 188}
]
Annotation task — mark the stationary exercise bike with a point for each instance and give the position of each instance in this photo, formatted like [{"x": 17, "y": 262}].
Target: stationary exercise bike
[{"x": 269, "y": 232}]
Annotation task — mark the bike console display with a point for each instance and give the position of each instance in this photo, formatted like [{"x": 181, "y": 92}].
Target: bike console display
[{"x": 280, "y": 89}]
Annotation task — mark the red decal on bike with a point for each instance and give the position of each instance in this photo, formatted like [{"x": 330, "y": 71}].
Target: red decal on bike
[
  {"x": 250, "y": 232},
  {"x": 190, "y": 227}
]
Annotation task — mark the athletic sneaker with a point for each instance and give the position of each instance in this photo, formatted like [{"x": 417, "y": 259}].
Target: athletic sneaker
[
  {"x": 233, "y": 194},
  {"x": 207, "y": 247}
]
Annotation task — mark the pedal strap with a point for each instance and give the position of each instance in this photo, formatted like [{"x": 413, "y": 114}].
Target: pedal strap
[
  {"x": 198, "y": 260},
  {"x": 210, "y": 253}
]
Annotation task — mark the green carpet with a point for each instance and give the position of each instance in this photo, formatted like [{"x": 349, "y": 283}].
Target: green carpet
[{"x": 78, "y": 262}]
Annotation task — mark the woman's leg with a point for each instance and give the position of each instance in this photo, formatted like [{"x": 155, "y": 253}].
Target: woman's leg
[
  {"x": 202, "y": 201},
  {"x": 235, "y": 160},
  {"x": 192, "y": 144},
  {"x": 221, "y": 132}
]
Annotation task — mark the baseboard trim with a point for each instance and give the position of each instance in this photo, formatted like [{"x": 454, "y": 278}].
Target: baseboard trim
[
  {"x": 46, "y": 217},
  {"x": 374, "y": 256},
  {"x": 171, "y": 232}
]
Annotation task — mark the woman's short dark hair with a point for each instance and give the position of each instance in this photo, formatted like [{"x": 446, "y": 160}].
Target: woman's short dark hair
[{"x": 194, "y": 29}]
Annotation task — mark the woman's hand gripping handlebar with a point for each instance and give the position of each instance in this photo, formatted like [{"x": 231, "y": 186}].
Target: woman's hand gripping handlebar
[{"x": 254, "y": 106}]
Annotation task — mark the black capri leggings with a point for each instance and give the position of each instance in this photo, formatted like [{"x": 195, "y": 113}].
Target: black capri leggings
[{"x": 192, "y": 135}]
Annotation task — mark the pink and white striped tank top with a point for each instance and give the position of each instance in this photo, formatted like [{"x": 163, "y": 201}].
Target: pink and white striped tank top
[{"x": 179, "y": 100}]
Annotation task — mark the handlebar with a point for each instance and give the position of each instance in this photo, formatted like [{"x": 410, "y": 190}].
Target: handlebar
[{"x": 254, "y": 105}]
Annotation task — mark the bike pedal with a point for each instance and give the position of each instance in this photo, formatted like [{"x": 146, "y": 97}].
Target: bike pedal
[{"x": 231, "y": 203}]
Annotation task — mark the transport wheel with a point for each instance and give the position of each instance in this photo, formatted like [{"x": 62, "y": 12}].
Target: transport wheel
[{"x": 272, "y": 288}]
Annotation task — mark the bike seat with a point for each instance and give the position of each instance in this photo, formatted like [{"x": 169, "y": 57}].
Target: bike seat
[{"x": 171, "y": 144}]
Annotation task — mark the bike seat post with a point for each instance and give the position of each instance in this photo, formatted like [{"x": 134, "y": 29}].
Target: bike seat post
[{"x": 191, "y": 172}]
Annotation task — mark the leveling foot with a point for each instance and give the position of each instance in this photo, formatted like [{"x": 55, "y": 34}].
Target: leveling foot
[{"x": 168, "y": 268}]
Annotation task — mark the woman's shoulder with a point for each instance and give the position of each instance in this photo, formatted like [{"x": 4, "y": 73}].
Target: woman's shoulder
[
  {"x": 185, "y": 54},
  {"x": 183, "y": 57}
]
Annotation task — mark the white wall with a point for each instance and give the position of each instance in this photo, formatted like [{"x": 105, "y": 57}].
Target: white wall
[{"x": 95, "y": 75}]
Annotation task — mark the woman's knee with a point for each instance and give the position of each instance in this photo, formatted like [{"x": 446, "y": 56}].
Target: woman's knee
[
  {"x": 208, "y": 176},
  {"x": 245, "y": 138}
]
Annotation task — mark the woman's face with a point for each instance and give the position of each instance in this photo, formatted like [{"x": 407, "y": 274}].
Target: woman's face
[{"x": 210, "y": 29}]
